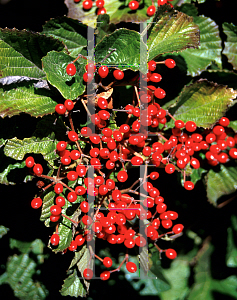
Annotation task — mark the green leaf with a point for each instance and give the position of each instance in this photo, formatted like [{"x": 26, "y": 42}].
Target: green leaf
[
  {"x": 231, "y": 250},
  {"x": 203, "y": 102},
  {"x": 189, "y": 9},
  {"x": 103, "y": 27},
  {"x": 233, "y": 125},
  {"x": 127, "y": 47},
  {"x": 48, "y": 201},
  {"x": 197, "y": 174},
  {"x": 204, "y": 284},
  {"x": 197, "y": 60},
  {"x": 20, "y": 270},
  {"x": 17, "y": 149},
  {"x": 71, "y": 32},
  {"x": 3, "y": 231},
  {"x": 5, "y": 173},
  {"x": 37, "y": 246},
  {"x": 55, "y": 64},
  {"x": 230, "y": 49},
  {"x": 22, "y": 51},
  {"x": 190, "y": 1},
  {"x": 178, "y": 276},
  {"x": 73, "y": 287},
  {"x": 173, "y": 32},
  {"x": 30, "y": 100},
  {"x": 223, "y": 182}
]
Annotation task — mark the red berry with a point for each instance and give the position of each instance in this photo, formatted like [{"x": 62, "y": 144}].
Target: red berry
[
  {"x": 233, "y": 153},
  {"x": 58, "y": 188},
  {"x": 179, "y": 124},
  {"x": 140, "y": 241},
  {"x": 161, "y": 207},
  {"x": 88, "y": 274},
  {"x": 73, "y": 246},
  {"x": 61, "y": 146},
  {"x": 79, "y": 240},
  {"x": 105, "y": 275},
  {"x": 87, "y": 4},
  {"x": 73, "y": 136},
  {"x": 131, "y": 267},
  {"x": 54, "y": 240},
  {"x": 103, "y": 104},
  {"x": 118, "y": 74},
  {"x": 86, "y": 220},
  {"x": 65, "y": 160},
  {"x": 177, "y": 228},
  {"x": 151, "y": 10},
  {"x": 122, "y": 176},
  {"x": 72, "y": 175},
  {"x": 133, "y": 5},
  {"x": 218, "y": 130},
  {"x": 224, "y": 121},
  {"x": 129, "y": 243},
  {"x": 100, "y": 3},
  {"x": 107, "y": 262},
  {"x": 188, "y": 185},
  {"x": 69, "y": 104},
  {"x": 36, "y": 203},
  {"x": 161, "y": 2},
  {"x": 75, "y": 154},
  {"x": 190, "y": 126},
  {"x": 60, "y": 201},
  {"x": 170, "y": 63},
  {"x": 71, "y": 69},
  {"x": 169, "y": 168},
  {"x": 160, "y": 93},
  {"x": 38, "y": 169},
  {"x": 55, "y": 210},
  {"x": 170, "y": 253},
  {"x": 87, "y": 77},
  {"x": 152, "y": 65},
  {"x": 103, "y": 71},
  {"x": 30, "y": 162}
]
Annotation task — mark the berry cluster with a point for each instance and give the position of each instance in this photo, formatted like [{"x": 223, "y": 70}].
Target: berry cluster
[
  {"x": 133, "y": 5},
  {"x": 112, "y": 152},
  {"x": 88, "y": 4}
]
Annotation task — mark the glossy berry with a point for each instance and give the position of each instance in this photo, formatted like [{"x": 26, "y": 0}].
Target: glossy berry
[
  {"x": 87, "y": 77},
  {"x": 160, "y": 93},
  {"x": 118, "y": 74},
  {"x": 105, "y": 275},
  {"x": 30, "y": 162},
  {"x": 107, "y": 262},
  {"x": 224, "y": 121},
  {"x": 88, "y": 274},
  {"x": 38, "y": 169},
  {"x": 133, "y": 5},
  {"x": 170, "y": 253},
  {"x": 170, "y": 63},
  {"x": 100, "y": 3},
  {"x": 72, "y": 197},
  {"x": 102, "y": 103},
  {"x": 61, "y": 146},
  {"x": 177, "y": 228},
  {"x": 73, "y": 246},
  {"x": 54, "y": 240},
  {"x": 72, "y": 175},
  {"x": 122, "y": 176},
  {"x": 55, "y": 210},
  {"x": 169, "y": 168},
  {"x": 131, "y": 267},
  {"x": 73, "y": 136},
  {"x": 69, "y": 104},
  {"x": 79, "y": 240},
  {"x": 87, "y": 4},
  {"x": 151, "y": 10},
  {"x": 103, "y": 71},
  {"x": 60, "y": 201},
  {"x": 188, "y": 185},
  {"x": 71, "y": 69},
  {"x": 75, "y": 154},
  {"x": 58, "y": 188},
  {"x": 161, "y": 2},
  {"x": 190, "y": 126},
  {"x": 36, "y": 203}
]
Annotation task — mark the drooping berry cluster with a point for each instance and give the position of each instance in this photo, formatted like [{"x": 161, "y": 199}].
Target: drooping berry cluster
[
  {"x": 111, "y": 152},
  {"x": 88, "y": 4}
]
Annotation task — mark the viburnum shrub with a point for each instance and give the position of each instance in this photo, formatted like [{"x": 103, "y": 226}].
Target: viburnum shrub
[{"x": 113, "y": 126}]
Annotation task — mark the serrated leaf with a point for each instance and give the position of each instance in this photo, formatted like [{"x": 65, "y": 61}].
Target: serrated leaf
[
  {"x": 37, "y": 246},
  {"x": 20, "y": 270},
  {"x": 230, "y": 49},
  {"x": 3, "y": 231},
  {"x": 178, "y": 275},
  {"x": 117, "y": 10},
  {"x": 127, "y": 47},
  {"x": 72, "y": 286},
  {"x": 48, "y": 201},
  {"x": 204, "y": 284},
  {"x": 203, "y": 102},
  {"x": 5, "y": 173},
  {"x": 55, "y": 64},
  {"x": 22, "y": 51},
  {"x": 71, "y": 32},
  {"x": 223, "y": 182},
  {"x": 173, "y": 32},
  {"x": 103, "y": 27},
  {"x": 27, "y": 99},
  {"x": 197, "y": 60},
  {"x": 17, "y": 149}
]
